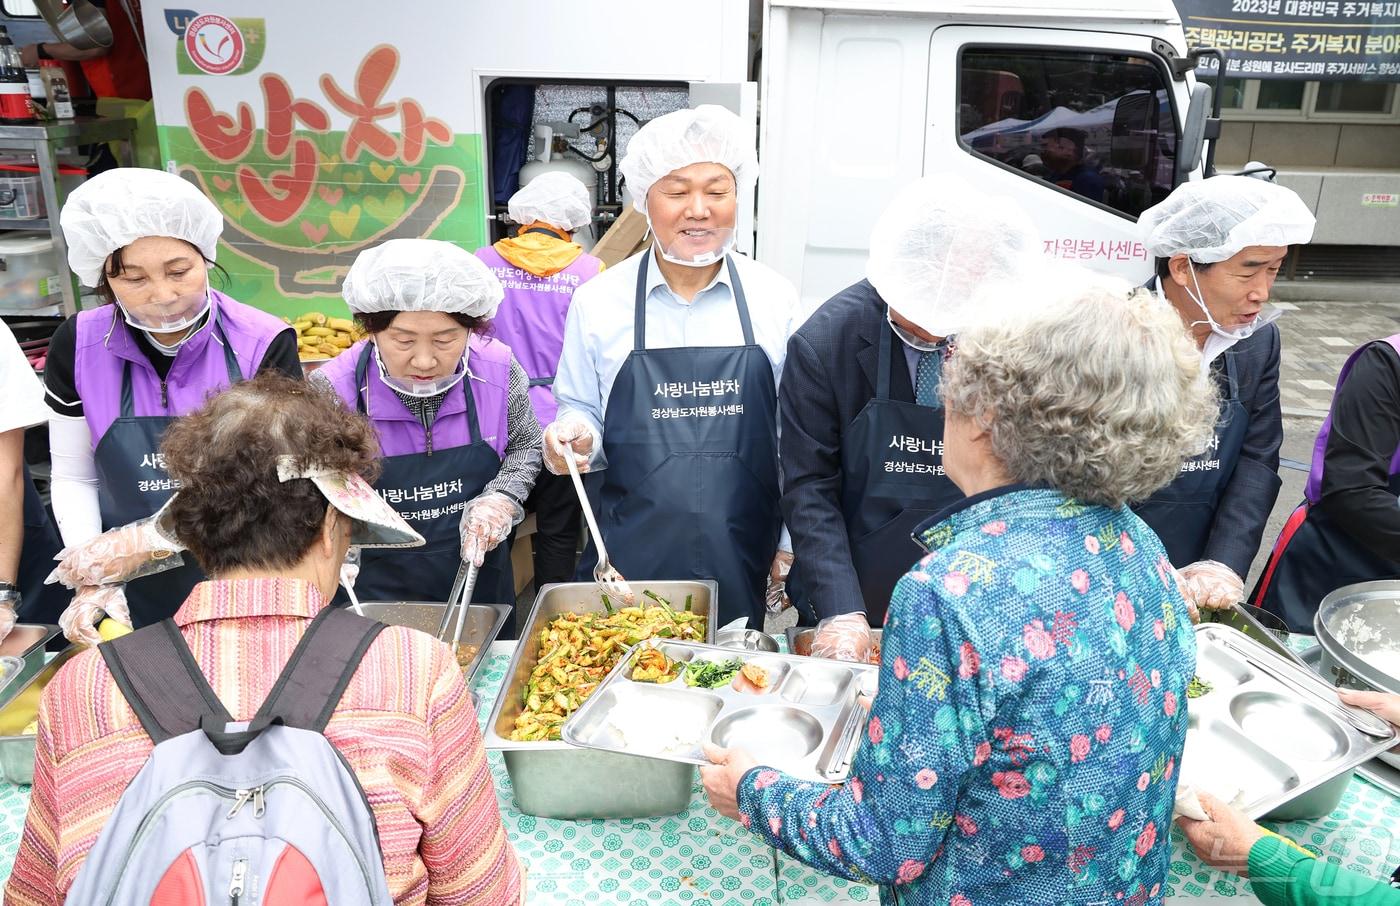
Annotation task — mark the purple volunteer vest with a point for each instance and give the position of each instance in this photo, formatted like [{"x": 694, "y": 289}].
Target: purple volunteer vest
[
  {"x": 1313, "y": 491},
  {"x": 531, "y": 319},
  {"x": 105, "y": 345},
  {"x": 399, "y": 430}
]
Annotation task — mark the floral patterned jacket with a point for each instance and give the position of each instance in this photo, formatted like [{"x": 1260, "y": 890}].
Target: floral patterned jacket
[{"x": 1031, "y": 715}]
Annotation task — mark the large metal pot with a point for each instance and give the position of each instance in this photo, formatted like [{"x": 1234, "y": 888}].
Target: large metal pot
[{"x": 1355, "y": 625}]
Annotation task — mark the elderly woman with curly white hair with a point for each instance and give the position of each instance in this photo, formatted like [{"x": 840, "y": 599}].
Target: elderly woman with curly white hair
[{"x": 1031, "y": 713}]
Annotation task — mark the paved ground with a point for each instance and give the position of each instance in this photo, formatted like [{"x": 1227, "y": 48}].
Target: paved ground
[{"x": 1317, "y": 338}]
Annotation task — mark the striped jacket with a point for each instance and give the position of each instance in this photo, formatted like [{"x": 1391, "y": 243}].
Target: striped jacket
[{"x": 405, "y": 725}]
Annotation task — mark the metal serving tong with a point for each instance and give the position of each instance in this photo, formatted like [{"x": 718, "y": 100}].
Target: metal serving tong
[
  {"x": 461, "y": 595},
  {"x": 604, "y": 573}
]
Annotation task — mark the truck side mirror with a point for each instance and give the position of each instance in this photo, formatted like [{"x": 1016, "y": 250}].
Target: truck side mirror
[
  {"x": 1134, "y": 131},
  {"x": 1194, "y": 132}
]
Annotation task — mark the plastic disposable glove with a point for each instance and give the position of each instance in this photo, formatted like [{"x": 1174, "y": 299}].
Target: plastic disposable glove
[
  {"x": 350, "y": 569},
  {"x": 119, "y": 555},
  {"x": 7, "y": 617},
  {"x": 486, "y": 522},
  {"x": 1385, "y": 705},
  {"x": 776, "y": 598},
  {"x": 79, "y": 621},
  {"x": 1211, "y": 585},
  {"x": 845, "y": 637},
  {"x": 569, "y": 433}
]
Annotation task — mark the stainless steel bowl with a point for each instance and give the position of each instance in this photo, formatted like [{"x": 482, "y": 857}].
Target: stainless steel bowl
[
  {"x": 1354, "y": 624},
  {"x": 746, "y": 640}
]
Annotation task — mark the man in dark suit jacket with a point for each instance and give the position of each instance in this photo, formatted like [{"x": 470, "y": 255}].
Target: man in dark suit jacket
[
  {"x": 862, "y": 424},
  {"x": 1219, "y": 244}
]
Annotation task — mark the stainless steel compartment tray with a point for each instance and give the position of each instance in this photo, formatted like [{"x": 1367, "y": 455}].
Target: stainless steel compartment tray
[
  {"x": 482, "y": 625},
  {"x": 1282, "y": 749},
  {"x": 556, "y": 780},
  {"x": 807, "y": 724}
]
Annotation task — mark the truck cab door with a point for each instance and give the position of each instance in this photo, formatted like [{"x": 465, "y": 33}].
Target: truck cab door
[{"x": 1081, "y": 129}]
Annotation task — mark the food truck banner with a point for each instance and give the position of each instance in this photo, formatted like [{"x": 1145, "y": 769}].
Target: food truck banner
[
  {"x": 1312, "y": 40},
  {"x": 319, "y": 130}
]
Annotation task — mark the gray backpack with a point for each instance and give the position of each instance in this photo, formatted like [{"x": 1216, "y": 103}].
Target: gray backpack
[{"x": 266, "y": 813}]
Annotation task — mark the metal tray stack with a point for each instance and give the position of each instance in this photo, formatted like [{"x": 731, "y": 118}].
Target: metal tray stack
[
  {"x": 1271, "y": 730},
  {"x": 807, "y": 723},
  {"x": 556, "y": 780},
  {"x": 482, "y": 626}
]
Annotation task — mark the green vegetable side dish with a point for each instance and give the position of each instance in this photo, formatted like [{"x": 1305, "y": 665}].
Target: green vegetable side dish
[
  {"x": 711, "y": 674},
  {"x": 1198, "y": 687}
]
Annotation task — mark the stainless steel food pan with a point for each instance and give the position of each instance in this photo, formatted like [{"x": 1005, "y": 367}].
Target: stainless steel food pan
[
  {"x": 481, "y": 627},
  {"x": 556, "y": 780}
]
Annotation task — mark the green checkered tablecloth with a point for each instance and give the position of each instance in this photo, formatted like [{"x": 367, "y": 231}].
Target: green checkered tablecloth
[{"x": 699, "y": 857}]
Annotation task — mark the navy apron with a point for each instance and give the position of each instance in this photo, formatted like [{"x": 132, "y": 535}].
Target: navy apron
[
  {"x": 1314, "y": 556},
  {"x": 39, "y": 603},
  {"x": 133, "y": 484},
  {"x": 691, "y": 486},
  {"x": 427, "y": 573},
  {"x": 892, "y": 480},
  {"x": 1182, "y": 513}
]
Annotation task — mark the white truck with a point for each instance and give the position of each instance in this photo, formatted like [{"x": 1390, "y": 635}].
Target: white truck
[{"x": 1084, "y": 113}]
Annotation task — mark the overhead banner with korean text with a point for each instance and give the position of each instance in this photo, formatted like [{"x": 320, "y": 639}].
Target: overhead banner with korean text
[
  {"x": 316, "y": 136},
  {"x": 1310, "y": 40}
]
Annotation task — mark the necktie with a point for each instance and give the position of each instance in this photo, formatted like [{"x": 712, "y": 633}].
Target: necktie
[{"x": 928, "y": 376}]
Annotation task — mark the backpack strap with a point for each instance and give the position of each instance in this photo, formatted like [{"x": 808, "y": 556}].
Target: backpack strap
[
  {"x": 156, "y": 672},
  {"x": 319, "y": 670}
]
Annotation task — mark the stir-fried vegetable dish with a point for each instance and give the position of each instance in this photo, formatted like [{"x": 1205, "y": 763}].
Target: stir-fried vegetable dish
[
  {"x": 576, "y": 651},
  {"x": 651, "y": 665},
  {"x": 1198, "y": 687},
  {"x": 711, "y": 674}
]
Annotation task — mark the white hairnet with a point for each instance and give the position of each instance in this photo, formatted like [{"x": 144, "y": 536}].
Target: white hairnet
[
  {"x": 421, "y": 275},
  {"x": 117, "y": 207},
  {"x": 1214, "y": 219},
  {"x": 557, "y": 199},
  {"x": 938, "y": 242},
  {"x": 706, "y": 134}
]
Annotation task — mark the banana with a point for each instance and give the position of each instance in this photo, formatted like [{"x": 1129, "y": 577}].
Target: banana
[
  {"x": 341, "y": 340},
  {"x": 319, "y": 332},
  {"x": 315, "y": 317},
  {"x": 301, "y": 326},
  {"x": 341, "y": 324},
  {"x": 111, "y": 629}
]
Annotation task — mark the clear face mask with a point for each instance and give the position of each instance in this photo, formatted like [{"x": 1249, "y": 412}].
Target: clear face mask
[
  {"x": 421, "y": 389},
  {"x": 180, "y": 313},
  {"x": 1265, "y": 316},
  {"x": 908, "y": 338},
  {"x": 696, "y": 247}
]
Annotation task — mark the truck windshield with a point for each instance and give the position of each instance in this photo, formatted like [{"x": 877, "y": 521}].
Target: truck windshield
[{"x": 1098, "y": 125}]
